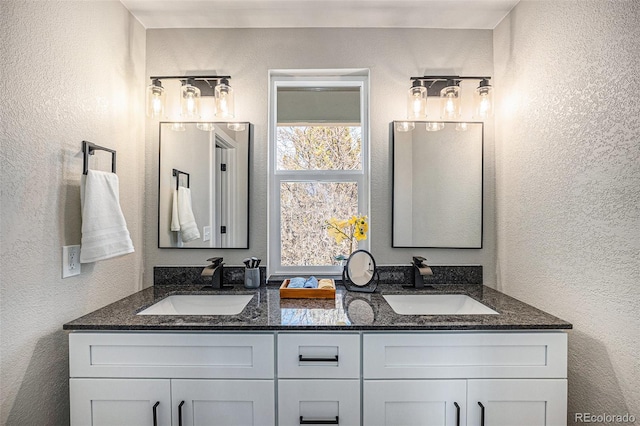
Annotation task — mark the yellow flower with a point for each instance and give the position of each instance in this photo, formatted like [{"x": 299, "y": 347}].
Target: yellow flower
[{"x": 354, "y": 228}]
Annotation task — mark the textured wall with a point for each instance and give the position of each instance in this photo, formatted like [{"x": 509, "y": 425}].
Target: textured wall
[
  {"x": 568, "y": 184},
  {"x": 392, "y": 55},
  {"x": 70, "y": 71}
]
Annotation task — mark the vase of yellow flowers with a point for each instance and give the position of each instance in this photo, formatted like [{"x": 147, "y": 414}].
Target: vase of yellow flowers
[{"x": 353, "y": 229}]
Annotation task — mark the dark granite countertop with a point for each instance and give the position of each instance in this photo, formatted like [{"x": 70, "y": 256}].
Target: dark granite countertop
[{"x": 349, "y": 311}]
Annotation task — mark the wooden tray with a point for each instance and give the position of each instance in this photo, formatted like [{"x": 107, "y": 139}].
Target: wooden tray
[{"x": 306, "y": 293}]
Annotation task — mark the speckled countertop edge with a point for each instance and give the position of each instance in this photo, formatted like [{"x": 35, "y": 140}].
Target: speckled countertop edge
[{"x": 266, "y": 311}]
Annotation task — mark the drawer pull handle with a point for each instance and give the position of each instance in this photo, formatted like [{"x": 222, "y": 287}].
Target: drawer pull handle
[
  {"x": 457, "y": 413},
  {"x": 155, "y": 413},
  {"x": 336, "y": 421},
  {"x": 301, "y": 358},
  {"x": 180, "y": 413},
  {"x": 481, "y": 413}
]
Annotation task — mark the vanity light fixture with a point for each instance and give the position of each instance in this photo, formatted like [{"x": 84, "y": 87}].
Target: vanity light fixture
[
  {"x": 447, "y": 89},
  {"x": 193, "y": 88}
]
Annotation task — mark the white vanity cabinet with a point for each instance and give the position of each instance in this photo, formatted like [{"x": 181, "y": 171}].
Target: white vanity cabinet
[
  {"x": 439, "y": 379},
  {"x": 194, "y": 378},
  {"x": 318, "y": 378},
  {"x": 363, "y": 378}
]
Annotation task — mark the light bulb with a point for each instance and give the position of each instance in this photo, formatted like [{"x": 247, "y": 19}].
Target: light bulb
[
  {"x": 190, "y": 100},
  {"x": 178, "y": 127},
  {"x": 417, "y": 102},
  {"x": 224, "y": 99},
  {"x": 461, "y": 127},
  {"x": 483, "y": 99},
  {"x": 450, "y": 98},
  {"x": 155, "y": 99}
]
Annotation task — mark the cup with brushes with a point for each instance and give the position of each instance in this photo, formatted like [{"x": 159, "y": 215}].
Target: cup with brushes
[{"x": 251, "y": 272}]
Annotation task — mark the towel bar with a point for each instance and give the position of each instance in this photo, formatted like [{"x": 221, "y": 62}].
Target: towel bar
[
  {"x": 88, "y": 148},
  {"x": 177, "y": 174}
]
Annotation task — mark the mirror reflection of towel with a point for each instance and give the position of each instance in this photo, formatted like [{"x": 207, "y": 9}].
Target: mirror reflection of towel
[
  {"x": 182, "y": 219},
  {"x": 104, "y": 230}
]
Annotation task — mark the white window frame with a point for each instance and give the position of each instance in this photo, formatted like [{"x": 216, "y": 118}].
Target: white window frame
[{"x": 313, "y": 78}]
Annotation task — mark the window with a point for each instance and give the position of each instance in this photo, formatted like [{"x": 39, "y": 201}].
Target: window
[{"x": 318, "y": 151}]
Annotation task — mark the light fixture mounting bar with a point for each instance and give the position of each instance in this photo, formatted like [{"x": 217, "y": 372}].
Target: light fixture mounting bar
[
  {"x": 435, "y": 84},
  {"x": 206, "y": 83}
]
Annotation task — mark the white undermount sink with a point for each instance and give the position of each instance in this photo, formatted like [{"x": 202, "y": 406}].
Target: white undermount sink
[
  {"x": 436, "y": 304},
  {"x": 199, "y": 304}
]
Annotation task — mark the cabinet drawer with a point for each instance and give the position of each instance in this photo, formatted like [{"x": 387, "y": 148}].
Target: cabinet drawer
[
  {"x": 172, "y": 355},
  {"x": 306, "y": 401},
  {"x": 319, "y": 356},
  {"x": 465, "y": 355}
]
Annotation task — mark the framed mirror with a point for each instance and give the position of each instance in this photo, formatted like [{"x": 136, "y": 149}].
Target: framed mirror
[
  {"x": 437, "y": 185},
  {"x": 204, "y": 185},
  {"x": 360, "y": 272}
]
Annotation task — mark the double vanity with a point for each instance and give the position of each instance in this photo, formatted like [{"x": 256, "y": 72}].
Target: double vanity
[{"x": 455, "y": 355}]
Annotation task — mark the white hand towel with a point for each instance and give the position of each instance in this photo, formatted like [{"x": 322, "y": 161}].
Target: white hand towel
[
  {"x": 175, "y": 220},
  {"x": 104, "y": 230},
  {"x": 188, "y": 226}
]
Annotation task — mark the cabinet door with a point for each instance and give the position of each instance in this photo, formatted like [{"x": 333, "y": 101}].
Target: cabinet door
[
  {"x": 223, "y": 402},
  {"x": 532, "y": 402},
  {"x": 415, "y": 402},
  {"x": 326, "y": 401},
  {"x": 117, "y": 402}
]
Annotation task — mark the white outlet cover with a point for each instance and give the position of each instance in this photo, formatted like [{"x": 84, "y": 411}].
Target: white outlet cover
[
  {"x": 70, "y": 261},
  {"x": 206, "y": 233}
]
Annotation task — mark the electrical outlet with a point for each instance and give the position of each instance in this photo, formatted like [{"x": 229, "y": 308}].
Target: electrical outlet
[
  {"x": 70, "y": 261},
  {"x": 206, "y": 233}
]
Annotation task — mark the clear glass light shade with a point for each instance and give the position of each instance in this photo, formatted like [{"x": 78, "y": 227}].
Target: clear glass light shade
[
  {"x": 155, "y": 100},
  {"x": 461, "y": 127},
  {"x": 178, "y": 127},
  {"x": 190, "y": 101},
  {"x": 434, "y": 126},
  {"x": 224, "y": 100},
  {"x": 405, "y": 126},
  {"x": 483, "y": 100},
  {"x": 236, "y": 127},
  {"x": 450, "y": 101},
  {"x": 417, "y": 103},
  {"x": 206, "y": 127}
]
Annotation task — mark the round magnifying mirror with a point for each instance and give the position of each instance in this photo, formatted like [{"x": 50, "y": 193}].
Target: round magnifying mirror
[{"x": 361, "y": 268}]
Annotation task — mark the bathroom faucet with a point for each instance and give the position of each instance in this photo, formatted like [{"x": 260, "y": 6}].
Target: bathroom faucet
[
  {"x": 420, "y": 270},
  {"x": 215, "y": 272}
]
